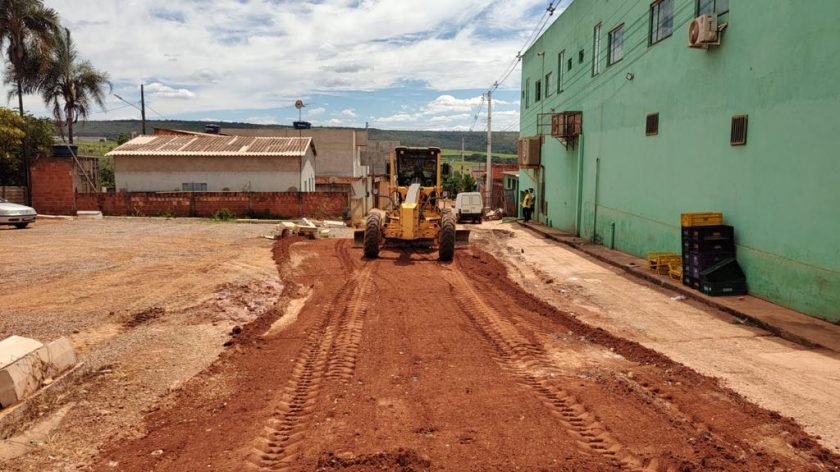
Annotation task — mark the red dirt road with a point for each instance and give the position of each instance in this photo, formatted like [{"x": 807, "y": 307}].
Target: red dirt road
[{"x": 408, "y": 364}]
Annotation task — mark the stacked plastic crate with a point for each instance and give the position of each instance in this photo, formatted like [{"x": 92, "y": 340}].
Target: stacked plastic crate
[{"x": 709, "y": 262}]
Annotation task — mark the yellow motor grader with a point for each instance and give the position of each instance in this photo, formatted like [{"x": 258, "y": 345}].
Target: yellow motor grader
[{"x": 413, "y": 213}]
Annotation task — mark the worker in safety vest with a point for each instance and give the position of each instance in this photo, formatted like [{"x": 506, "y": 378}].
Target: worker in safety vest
[{"x": 528, "y": 204}]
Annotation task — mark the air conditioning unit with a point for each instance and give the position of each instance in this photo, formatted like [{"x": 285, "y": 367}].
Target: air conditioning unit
[
  {"x": 567, "y": 125},
  {"x": 703, "y": 32},
  {"x": 530, "y": 150}
]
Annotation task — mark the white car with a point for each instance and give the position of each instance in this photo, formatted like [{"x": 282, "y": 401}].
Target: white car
[
  {"x": 16, "y": 215},
  {"x": 469, "y": 206}
]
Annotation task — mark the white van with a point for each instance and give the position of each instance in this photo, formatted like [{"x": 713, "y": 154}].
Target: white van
[{"x": 469, "y": 206}]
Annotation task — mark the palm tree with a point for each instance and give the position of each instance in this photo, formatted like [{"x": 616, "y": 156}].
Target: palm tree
[
  {"x": 28, "y": 31},
  {"x": 71, "y": 85}
]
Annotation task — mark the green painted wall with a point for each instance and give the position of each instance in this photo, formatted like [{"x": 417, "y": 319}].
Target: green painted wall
[{"x": 779, "y": 63}]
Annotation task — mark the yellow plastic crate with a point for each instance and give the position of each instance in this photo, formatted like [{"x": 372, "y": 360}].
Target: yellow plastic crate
[
  {"x": 675, "y": 270},
  {"x": 663, "y": 265},
  {"x": 688, "y": 220},
  {"x": 653, "y": 259}
]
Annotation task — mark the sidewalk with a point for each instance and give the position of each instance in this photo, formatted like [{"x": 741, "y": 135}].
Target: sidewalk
[{"x": 780, "y": 321}]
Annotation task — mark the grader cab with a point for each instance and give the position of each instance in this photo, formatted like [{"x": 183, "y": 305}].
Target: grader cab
[{"x": 413, "y": 214}]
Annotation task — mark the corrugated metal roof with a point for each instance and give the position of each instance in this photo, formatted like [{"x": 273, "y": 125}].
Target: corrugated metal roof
[{"x": 203, "y": 145}]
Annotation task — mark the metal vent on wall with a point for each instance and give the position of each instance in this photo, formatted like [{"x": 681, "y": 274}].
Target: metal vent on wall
[
  {"x": 652, "y": 124},
  {"x": 739, "y": 130}
]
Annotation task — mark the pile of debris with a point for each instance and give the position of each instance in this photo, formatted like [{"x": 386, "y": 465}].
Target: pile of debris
[
  {"x": 305, "y": 227},
  {"x": 496, "y": 214}
]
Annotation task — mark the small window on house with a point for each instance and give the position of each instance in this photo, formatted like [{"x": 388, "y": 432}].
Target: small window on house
[
  {"x": 652, "y": 124},
  {"x": 661, "y": 20},
  {"x": 581, "y": 56},
  {"x": 709, "y": 7},
  {"x": 739, "y": 130},
  {"x": 570, "y": 63},
  {"x": 548, "y": 85},
  {"x": 538, "y": 91},
  {"x": 527, "y": 93},
  {"x": 616, "y": 46},
  {"x": 194, "y": 187},
  {"x": 561, "y": 59},
  {"x": 596, "y": 50}
]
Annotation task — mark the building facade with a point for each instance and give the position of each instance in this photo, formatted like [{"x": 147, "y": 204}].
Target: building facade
[
  {"x": 205, "y": 163},
  {"x": 746, "y": 127}
]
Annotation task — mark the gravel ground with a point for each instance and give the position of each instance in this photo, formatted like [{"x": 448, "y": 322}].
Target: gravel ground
[{"x": 148, "y": 303}]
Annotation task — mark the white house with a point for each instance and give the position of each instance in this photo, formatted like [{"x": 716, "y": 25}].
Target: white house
[{"x": 209, "y": 163}]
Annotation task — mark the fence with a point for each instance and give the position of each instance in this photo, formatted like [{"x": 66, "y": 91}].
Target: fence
[{"x": 14, "y": 194}]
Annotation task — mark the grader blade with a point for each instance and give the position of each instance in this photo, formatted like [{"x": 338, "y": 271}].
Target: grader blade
[
  {"x": 359, "y": 238},
  {"x": 462, "y": 238}
]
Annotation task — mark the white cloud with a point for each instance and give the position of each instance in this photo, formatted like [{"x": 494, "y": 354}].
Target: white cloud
[
  {"x": 334, "y": 122},
  {"x": 157, "y": 89},
  {"x": 232, "y": 55},
  {"x": 350, "y": 113},
  {"x": 316, "y": 111},
  {"x": 398, "y": 118}
]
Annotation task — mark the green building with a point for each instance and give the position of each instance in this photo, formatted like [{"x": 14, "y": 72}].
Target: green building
[{"x": 749, "y": 127}]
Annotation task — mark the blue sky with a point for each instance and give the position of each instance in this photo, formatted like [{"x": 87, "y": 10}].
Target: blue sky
[{"x": 395, "y": 64}]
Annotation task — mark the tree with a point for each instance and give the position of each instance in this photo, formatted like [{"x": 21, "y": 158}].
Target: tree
[
  {"x": 123, "y": 138},
  {"x": 28, "y": 31},
  {"x": 458, "y": 182},
  {"x": 15, "y": 133},
  {"x": 71, "y": 86}
]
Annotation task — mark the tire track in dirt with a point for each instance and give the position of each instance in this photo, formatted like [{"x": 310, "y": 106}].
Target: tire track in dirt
[
  {"x": 519, "y": 357},
  {"x": 329, "y": 354}
]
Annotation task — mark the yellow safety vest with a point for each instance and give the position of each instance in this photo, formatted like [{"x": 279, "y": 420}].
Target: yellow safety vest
[{"x": 527, "y": 201}]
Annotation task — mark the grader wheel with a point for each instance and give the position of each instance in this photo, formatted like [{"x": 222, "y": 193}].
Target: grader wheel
[
  {"x": 446, "y": 250},
  {"x": 373, "y": 236}
]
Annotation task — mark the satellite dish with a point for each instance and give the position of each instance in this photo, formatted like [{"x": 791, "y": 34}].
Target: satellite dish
[{"x": 299, "y": 104}]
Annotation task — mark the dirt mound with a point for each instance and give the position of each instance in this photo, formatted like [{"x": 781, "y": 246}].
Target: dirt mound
[
  {"x": 145, "y": 316},
  {"x": 402, "y": 460}
]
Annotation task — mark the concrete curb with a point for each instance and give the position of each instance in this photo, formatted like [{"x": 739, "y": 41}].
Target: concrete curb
[{"x": 582, "y": 246}]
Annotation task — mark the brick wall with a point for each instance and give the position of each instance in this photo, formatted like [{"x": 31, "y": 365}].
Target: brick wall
[
  {"x": 52, "y": 187},
  {"x": 205, "y": 204}
]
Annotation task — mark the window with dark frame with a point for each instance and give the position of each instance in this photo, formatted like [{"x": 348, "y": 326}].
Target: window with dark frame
[
  {"x": 739, "y": 130},
  {"x": 581, "y": 56},
  {"x": 661, "y": 20},
  {"x": 538, "y": 91},
  {"x": 596, "y": 50},
  {"x": 571, "y": 62},
  {"x": 548, "y": 84},
  {"x": 527, "y": 93},
  {"x": 616, "y": 45},
  {"x": 652, "y": 124},
  {"x": 710, "y": 7},
  {"x": 561, "y": 59}
]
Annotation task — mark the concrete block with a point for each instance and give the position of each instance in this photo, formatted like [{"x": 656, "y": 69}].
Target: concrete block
[
  {"x": 27, "y": 372},
  {"x": 89, "y": 215}
]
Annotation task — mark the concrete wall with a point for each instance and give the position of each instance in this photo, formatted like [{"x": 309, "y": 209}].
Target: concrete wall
[
  {"x": 778, "y": 63},
  {"x": 237, "y": 174},
  {"x": 339, "y": 150}
]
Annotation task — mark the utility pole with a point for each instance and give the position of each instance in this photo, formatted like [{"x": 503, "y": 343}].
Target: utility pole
[
  {"x": 143, "y": 107},
  {"x": 489, "y": 181},
  {"x": 462, "y": 154}
]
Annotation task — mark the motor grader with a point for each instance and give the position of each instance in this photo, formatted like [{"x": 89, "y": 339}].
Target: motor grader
[{"x": 413, "y": 214}]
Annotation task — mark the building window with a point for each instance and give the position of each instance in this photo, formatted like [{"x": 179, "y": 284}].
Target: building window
[
  {"x": 571, "y": 62},
  {"x": 561, "y": 59},
  {"x": 661, "y": 20},
  {"x": 548, "y": 85},
  {"x": 616, "y": 45},
  {"x": 538, "y": 91},
  {"x": 194, "y": 187},
  {"x": 652, "y": 124},
  {"x": 581, "y": 55},
  {"x": 596, "y": 50},
  {"x": 709, "y": 7},
  {"x": 739, "y": 130},
  {"x": 527, "y": 93}
]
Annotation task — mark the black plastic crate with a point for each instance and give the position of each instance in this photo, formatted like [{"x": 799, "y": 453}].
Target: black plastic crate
[
  {"x": 726, "y": 271},
  {"x": 700, "y": 233},
  {"x": 724, "y": 289},
  {"x": 699, "y": 262},
  {"x": 710, "y": 246}
]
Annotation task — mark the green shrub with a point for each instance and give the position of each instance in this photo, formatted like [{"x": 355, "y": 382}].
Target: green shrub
[{"x": 223, "y": 214}]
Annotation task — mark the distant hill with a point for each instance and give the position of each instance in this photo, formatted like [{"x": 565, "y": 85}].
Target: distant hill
[{"x": 475, "y": 141}]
